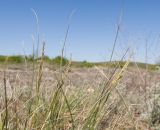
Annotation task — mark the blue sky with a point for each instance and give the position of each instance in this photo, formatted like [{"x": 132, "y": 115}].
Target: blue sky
[{"x": 92, "y": 31}]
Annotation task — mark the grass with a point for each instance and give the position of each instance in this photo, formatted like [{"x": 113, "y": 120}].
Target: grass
[
  {"x": 66, "y": 107},
  {"x": 64, "y": 98},
  {"x": 77, "y": 64},
  {"x": 70, "y": 108}
]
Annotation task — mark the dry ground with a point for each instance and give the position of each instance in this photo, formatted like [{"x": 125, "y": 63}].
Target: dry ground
[{"x": 139, "y": 89}]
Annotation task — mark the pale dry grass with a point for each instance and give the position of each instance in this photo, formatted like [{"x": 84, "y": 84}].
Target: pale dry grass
[{"x": 119, "y": 106}]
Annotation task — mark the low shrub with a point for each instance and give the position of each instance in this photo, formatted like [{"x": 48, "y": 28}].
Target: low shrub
[
  {"x": 2, "y": 58},
  {"x": 86, "y": 64},
  {"x": 57, "y": 60},
  {"x": 15, "y": 59}
]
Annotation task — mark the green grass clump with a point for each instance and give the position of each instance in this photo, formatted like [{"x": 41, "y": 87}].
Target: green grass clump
[
  {"x": 46, "y": 59},
  {"x": 12, "y": 59},
  {"x": 2, "y": 58},
  {"x": 57, "y": 60},
  {"x": 16, "y": 59},
  {"x": 86, "y": 64}
]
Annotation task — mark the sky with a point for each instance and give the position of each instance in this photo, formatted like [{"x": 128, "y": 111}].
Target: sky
[{"x": 92, "y": 28}]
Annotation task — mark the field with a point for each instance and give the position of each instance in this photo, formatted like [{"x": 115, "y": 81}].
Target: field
[
  {"x": 79, "y": 65},
  {"x": 41, "y": 96}
]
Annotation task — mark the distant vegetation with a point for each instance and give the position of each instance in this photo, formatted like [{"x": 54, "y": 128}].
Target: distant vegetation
[
  {"x": 133, "y": 64},
  {"x": 12, "y": 59},
  {"x": 86, "y": 64},
  {"x": 59, "y": 59},
  {"x": 18, "y": 59},
  {"x": 2, "y": 58}
]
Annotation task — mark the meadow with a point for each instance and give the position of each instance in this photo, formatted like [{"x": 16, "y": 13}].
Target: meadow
[
  {"x": 42, "y": 93},
  {"x": 60, "y": 94}
]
